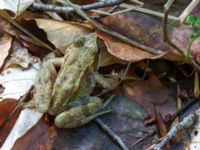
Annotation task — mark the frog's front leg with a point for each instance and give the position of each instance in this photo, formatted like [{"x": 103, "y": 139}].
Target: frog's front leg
[
  {"x": 80, "y": 113},
  {"x": 104, "y": 82},
  {"x": 43, "y": 86}
]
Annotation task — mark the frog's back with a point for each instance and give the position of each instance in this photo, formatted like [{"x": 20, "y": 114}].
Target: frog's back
[{"x": 77, "y": 61}]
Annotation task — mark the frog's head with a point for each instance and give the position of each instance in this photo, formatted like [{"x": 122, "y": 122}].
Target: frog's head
[
  {"x": 88, "y": 42},
  {"x": 91, "y": 43}
]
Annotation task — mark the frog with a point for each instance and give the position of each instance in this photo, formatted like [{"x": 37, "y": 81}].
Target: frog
[{"x": 65, "y": 94}]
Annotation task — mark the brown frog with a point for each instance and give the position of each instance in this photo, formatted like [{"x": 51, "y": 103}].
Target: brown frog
[{"x": 66, "y": 94}]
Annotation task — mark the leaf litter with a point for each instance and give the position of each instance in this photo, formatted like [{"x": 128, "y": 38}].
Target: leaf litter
[{"x": 140, "y": 109}]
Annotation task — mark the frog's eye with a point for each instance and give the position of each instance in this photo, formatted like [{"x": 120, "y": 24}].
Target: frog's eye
[{"x": 79, "y": 41}]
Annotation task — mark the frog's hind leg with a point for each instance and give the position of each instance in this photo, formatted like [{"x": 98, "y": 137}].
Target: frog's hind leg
[
  {"x": 83, "y": 121},
  {"x": 81, "y": 114}
]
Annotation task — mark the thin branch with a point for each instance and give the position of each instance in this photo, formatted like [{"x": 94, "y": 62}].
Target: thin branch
[
  {"x": 143, "y": 10},
  {"x": 111, "y": 32},
  {"x": 111, "y": 134},
  {"x": 188, "y": 10},
  {"x": 67, "y": 9},
  {"x": 187, "y": 122},
  {"x": 145, "y": 137},
  {"x": 104, "y": 15},
  {"x": 165, "y": 26},
  {"x": 191, "y": 103}
]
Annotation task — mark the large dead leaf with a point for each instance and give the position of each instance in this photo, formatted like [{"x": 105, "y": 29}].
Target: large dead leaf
[
  {"x": 147, "y": 30},
  {"x": 62, "y": 34},
  {"x": 40, "y": 134},
  {"x": 5, "y": 44},
  {"x": 106, "y": 59},
  {"x": 124, "y": 51},
  {"x": 23, "y": 124},
  {"x": 152, "y": 95}
]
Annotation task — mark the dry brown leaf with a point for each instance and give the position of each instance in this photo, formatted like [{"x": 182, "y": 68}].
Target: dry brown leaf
[
  {"x": 6, "y": 107},
  {"x": 62, "y": 34},
  {"x": 153, "y": 96},
  {"x": 41, "y": 135},
  {"x": 5, "y": 44},
  {"x": 24, "y": 39},
  {"x": 147, "y": 30},
  {"x": 106, "y": 59},
  {"x": 124, "y": 51},
  {"x": 22, "y": 125}
]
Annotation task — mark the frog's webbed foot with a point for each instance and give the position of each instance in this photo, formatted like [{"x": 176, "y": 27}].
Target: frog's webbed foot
[{"x": 79, "y": 115}]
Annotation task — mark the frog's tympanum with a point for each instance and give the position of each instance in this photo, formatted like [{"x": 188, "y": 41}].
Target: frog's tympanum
[{"x": 66, "y": 94}]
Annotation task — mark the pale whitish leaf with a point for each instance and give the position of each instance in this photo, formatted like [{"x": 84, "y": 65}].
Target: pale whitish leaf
[
  {"x": 17, "y": 82},
  {"x": 23, "y": 124},
  {"x": 5, "y": 44},
  {"x": 19, "y": 56},
  {"x": 16, "y": 6}
]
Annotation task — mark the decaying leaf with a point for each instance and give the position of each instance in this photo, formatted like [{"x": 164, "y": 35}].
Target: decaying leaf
[
  {"x": 106, "y": 59},
  {"x": 41, "y": 135},
  {"x": 148, "y": 31},
  {"x": 19, "y": 56},
  {"x": 23, "y": 124},
  {"x": 152, "y": 95},
  {"x": 124, "y": 51},
  {"x": 6, "y": 108}
]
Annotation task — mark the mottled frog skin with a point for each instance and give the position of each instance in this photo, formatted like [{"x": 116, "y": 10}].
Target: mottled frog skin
[{"x": 66, "y": 94}]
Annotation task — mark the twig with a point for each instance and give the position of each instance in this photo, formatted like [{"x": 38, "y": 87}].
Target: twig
[
  {"x": 143, "y": 10},
  {"x": 104, "y": 15},
  {"x": 183, "y": 110},
  {"x": 167, "y": 6},
  {"x": 111, "y": 32},
  {"x": 188, "y": 10},
  {"x": 111, "y": 134},
  {"x": 143, "y": 138},
  {"x": 67, "y": 9},
  {"x": 185, "y": 123}
]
